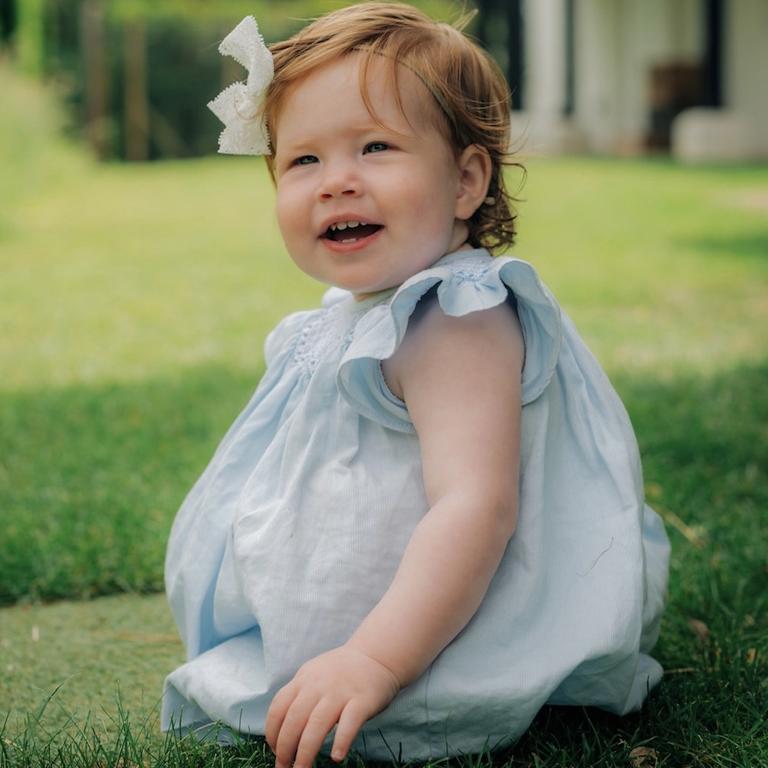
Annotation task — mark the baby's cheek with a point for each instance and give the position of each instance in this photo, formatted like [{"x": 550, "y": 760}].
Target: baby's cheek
[
  {"x": 435, "y": 219},
  {"x": 282, "y": 205},
  {"x": 289, "y": 215},
  {"x": 434, "y": 200}
]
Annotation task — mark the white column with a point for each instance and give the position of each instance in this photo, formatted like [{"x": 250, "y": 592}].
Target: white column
[
  {"x": 542, "y": 125},
  {"x": 596, "y": 62},
  {"x": 746, "y": 65}
]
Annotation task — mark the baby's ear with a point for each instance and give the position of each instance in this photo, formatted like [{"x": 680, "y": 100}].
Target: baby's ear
[{"x": 474, "y": 165}]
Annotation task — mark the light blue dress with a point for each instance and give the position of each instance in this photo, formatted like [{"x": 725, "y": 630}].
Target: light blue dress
[{"x": 297, "y": 526}]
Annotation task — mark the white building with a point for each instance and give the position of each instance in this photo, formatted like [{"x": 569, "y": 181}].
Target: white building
[{"x": 628, "y": 76}]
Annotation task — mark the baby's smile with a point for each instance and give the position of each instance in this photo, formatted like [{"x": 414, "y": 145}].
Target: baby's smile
[{"x": 350, "y": 231}]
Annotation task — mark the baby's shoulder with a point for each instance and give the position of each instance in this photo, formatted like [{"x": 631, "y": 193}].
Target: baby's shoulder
[{"x": 436, "y": 341}]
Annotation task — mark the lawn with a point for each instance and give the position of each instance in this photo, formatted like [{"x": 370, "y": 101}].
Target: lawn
[{"x": 134, "y": 301}]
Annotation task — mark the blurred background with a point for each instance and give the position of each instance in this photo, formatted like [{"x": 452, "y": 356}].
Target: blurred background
[{"x": 609, "y": 76}]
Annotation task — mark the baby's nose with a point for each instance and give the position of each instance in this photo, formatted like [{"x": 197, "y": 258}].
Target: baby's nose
[{"x": 340, "y": 181}]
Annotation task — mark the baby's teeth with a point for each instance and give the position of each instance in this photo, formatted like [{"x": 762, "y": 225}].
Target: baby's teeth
[{"x": 345, "y": 224}]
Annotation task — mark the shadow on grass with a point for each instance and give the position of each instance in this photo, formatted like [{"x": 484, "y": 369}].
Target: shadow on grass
[
  {"x": 90, "y": 478},
  {"x": 704, "y": 443}
]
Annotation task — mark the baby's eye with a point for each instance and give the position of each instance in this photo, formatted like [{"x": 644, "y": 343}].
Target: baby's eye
[
  {"x": 376, "y": 146},
  {"x": 305, "y": 160}
]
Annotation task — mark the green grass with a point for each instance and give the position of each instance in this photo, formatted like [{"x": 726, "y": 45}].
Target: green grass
[{"x": 133, "y": 305}]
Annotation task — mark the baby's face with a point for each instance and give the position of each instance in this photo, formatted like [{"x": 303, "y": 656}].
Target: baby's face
[{"x": 359, "y": 205}]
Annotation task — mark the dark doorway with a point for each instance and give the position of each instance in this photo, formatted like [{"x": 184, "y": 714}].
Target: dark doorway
[
  {"x": 679, "y": 85},
  {"x": 713, "y": 53},
  {"x": 501, "y": 31}
]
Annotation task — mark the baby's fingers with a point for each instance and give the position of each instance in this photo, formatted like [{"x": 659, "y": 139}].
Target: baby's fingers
[
  {"x": 292, "y": 727},
  {"x": 352, "y": 719},
  {"x": 276, "y": 714},
  {"x": 318, "y": 726}
]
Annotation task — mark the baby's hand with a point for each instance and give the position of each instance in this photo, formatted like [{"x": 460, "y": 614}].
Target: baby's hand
[{"x": 341, "y": 686}]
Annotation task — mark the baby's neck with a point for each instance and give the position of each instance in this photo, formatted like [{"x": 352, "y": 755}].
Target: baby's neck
[{"x": 465, "y": 246}]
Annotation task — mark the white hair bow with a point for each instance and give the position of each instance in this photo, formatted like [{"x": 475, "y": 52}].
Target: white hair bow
[{"x": 239, "y": 105}]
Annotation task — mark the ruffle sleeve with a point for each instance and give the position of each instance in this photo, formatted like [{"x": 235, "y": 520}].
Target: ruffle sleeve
[{"x": 467, "y": 281}]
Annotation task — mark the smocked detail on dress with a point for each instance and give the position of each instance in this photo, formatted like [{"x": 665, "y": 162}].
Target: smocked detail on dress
[
  {"x": 328, "y": 330},
  {"x": 472, "y": 268}
]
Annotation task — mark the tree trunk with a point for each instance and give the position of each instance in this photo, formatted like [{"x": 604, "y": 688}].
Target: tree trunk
[
  {"x": 96, "y": 76},
  {"x": 136, "y": 106}
]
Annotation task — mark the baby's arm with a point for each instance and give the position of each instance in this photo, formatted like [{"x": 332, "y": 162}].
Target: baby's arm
[{"x": 461, "y": 379}]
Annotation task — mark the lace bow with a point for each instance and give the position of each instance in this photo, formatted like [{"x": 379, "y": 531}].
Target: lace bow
[{"x": 239, "y": 105}]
